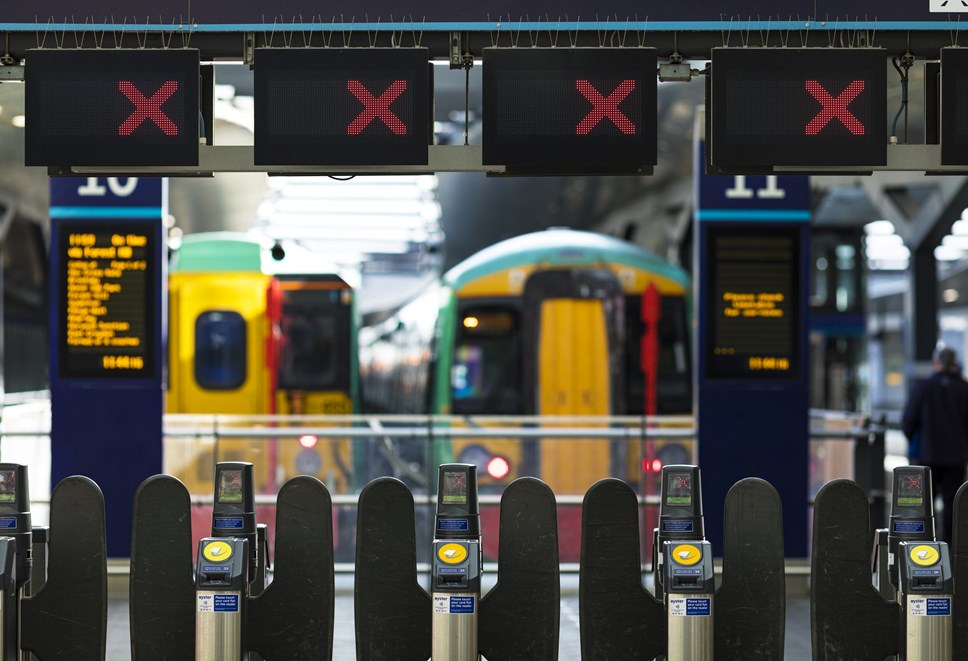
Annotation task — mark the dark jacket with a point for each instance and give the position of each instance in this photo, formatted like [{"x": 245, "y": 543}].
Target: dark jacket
[{"x": 938, "y": 409}]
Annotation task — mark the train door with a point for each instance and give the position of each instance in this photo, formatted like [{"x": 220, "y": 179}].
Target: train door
[{"x": 575, "y": 326}]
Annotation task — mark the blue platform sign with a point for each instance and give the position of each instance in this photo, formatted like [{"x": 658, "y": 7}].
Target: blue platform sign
[
  {"x": 752, "y": 290},
  {"x": 106, "y": 313}
]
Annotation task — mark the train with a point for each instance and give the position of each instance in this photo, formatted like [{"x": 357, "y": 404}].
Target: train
[
  {"x": 551, "y": 323},
  {"x": 257, "y": 328}
]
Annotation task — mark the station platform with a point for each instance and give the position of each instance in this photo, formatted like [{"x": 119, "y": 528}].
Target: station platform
[{"x": 797, "y": 644}]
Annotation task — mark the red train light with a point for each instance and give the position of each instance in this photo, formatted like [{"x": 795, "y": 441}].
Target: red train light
[{"x": 498, "y": 467}]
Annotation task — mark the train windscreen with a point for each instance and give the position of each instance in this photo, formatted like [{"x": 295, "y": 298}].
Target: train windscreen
[
  {"x": 486, "y": 373},
  {"x": 315, "y": 326}
]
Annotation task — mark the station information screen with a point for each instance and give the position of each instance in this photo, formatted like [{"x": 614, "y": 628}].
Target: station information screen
[
  {"x": 349, "y": 106},
  {"x": 111, "y": 107},
  {"x": 754, "y": 303},
  {"x": 954, "y": 106},
  {"x": 797, "y": 107},
  {"x": 107, "y": 301},
  {"x": 570, "y": 110}
]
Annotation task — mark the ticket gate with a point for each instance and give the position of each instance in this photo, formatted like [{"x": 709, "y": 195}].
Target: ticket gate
[
  {"x": 170, "y": 610},
  {"x": 517, "y": 619},
  {"x": 622, "y": 619},
  {"x": 854, "y": 616},
  {"x": 65, "y": 615},
  {"x": 456, "y": 565}
]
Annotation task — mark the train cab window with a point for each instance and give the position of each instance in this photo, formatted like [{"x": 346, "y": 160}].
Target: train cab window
[
  {"x": 486, "y": 372},
  {"x": 220, "y": 341},
  {"x": 314, "y": 329}
]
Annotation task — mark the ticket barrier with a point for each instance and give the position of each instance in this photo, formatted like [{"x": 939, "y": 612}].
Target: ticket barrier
[
  {"x": 622, "y": 619},
  {"x": 397, "y": 620},
  {"x": 225, "y": 564},
  {"x": 907, "y": 610},
  {"x": 456, "y": 565},
  {"x": 63, "y": 605},
  {"x": 210, "y": 613}
]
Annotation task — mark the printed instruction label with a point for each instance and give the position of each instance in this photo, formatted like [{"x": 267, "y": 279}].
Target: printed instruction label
[
  {"x": 909, "y": 526},
  {"x": 452, "y": 524},
  {"x": 228, "y": 522},
  {"x": 450, "y": 604},
  {"x": 929, "y": 606},
  {"x": 218, "y": 603},
  {"x": 8, "y": 523},
  {"x": 690, "y": 606},
  {"x": 677, "y": 525}
]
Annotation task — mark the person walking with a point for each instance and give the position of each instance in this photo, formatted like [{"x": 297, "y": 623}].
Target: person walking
[{"x": 936, "y": 416}]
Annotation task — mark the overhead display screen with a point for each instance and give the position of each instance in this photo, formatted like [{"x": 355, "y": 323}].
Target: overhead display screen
[
  {"x": 349, "y": 106},
  {"x": 111, "y": 107},
  {"x": 107, "y": 302},
  {"x": 954, "y": 106},
  {"x": 570, "y": 110},
  {"x": 754, "y": 303},
  {"x": 797, "y": 107}
]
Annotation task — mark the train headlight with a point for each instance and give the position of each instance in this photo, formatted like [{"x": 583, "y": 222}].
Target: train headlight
[{"x": 308, "y": 441}]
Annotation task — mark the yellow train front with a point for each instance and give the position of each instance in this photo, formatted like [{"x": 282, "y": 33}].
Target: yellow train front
[
  {"x": 553, "y": 323},
  {"x": 254, "y": 330}
]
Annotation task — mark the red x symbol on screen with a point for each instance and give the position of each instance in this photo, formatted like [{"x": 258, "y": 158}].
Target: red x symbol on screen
[
  {"x": 374, "y": 107},
  {"x": 148, "y": 108},
  {"x": 605, "y": 107},
  {"x": 834, "y": 107}
]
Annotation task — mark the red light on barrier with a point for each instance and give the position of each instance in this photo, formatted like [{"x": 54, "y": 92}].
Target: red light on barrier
[
  {"x": 308, "y": 441},
  {"x": 498, "y": 468}
]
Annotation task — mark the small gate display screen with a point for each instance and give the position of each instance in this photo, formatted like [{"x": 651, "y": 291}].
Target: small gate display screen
[
  {"x": 8, "y": 486},
  {"x": 679, "y": 489},
  {"x": 454, "y": 488},
  {"x": 910, "y": 490},
  {"x": 230, "y": 486}
]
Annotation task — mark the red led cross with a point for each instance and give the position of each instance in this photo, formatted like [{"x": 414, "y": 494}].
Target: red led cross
[
  {"x": 605, "y": 107},
  {"x": 148, "y": 108},
  {"x": 374, "y": 107},
  {"x": 834, "y": 107}
]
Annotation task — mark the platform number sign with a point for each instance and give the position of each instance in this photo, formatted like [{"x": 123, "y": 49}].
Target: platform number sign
[
  {"x": 111, "y": 107},
  {"x": 570, "y": 110},
  {"x": 351, "y": 106},
  {"x": 797, "y": 107}
]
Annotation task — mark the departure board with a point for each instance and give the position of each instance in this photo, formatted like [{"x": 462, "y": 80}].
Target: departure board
[
  {"x": 754, "y": 303},
  {"x": 106, "y": 300}
]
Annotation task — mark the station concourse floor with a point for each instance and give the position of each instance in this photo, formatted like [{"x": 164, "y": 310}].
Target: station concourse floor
[{"x": 796, "y": 648}]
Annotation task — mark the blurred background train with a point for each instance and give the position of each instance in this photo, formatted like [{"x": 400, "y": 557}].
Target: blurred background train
[
  {"x": 257, "y": 329},
  {"x": 551, "y": 323}
]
